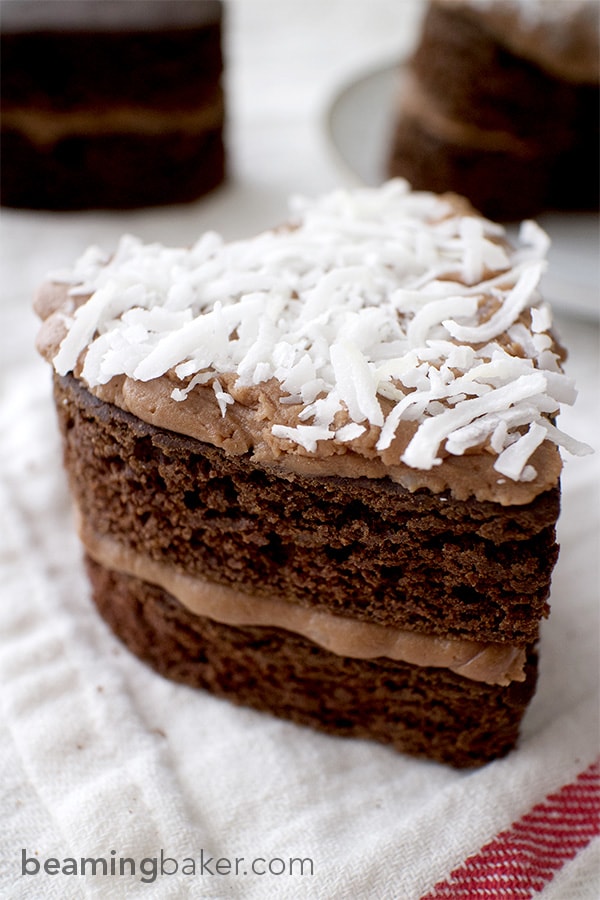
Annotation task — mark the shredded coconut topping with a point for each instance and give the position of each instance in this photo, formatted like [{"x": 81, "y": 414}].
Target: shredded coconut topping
[{"x": 375, "y": 306}]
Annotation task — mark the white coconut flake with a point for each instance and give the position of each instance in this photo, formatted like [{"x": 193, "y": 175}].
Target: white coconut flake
[
  {"x": 513, "y": 305},
  {"x": 576, "y": 448},
  {"x": 180, "y": 394},
  {"x": 512, "y": 462},
  {"x": 422, "y": 450},
  {"x": 223, "y": 398},
  {"x": 534, "y": 240},
  {"x": 355, "y": 383},
  {"x": 306, "y": 435},
  {"x": 349, "y": 432},
  {"x": 541, "y": 318},
  {"x": 471, "y": 231},
  {"x": 374, "y": 296},
  {"x": 434, "y": 314}
]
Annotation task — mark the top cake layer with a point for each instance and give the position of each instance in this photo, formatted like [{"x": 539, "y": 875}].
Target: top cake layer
[
  {"x": 383, "y": 332},
  {"x": 62, "y": 56},
  {"x": 561, "y": 36}
]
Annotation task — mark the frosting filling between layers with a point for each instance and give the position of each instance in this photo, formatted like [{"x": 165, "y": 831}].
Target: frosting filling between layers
[
  {"x": 46, "y": 127},
  {"x": 491, "y": 663}
]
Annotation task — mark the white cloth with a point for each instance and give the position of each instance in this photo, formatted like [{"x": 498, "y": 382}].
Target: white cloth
[{"x": 103, "y": 759}]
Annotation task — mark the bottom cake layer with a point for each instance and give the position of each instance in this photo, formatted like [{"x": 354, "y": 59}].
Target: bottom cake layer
[
  {"x": 119, "y": 171},
  {"x": 426, "y": 712}
]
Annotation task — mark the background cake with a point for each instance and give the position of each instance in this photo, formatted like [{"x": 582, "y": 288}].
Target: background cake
[
  {"x": 115, "y": 104},
  {"x": 501, "y": 103},
  {"x": 316, "y": 472}
]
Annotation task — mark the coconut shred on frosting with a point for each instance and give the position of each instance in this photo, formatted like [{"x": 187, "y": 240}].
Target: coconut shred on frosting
[{"x": 394, "y": 328}]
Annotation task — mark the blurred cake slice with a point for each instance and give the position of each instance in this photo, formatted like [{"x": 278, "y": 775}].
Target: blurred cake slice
[
  {"x": 500, "y": 102},
  {"x": 113, "y": 104}
]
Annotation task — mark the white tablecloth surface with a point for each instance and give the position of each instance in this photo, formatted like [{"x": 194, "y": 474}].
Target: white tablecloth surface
[{"x": 100, "y": 757}]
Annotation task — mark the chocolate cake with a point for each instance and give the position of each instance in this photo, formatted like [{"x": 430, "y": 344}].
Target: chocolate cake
[
  {"x": 115, "y": 104},
  {"x": 316, "y": 471},
  {"x": 500, "y": 102}
]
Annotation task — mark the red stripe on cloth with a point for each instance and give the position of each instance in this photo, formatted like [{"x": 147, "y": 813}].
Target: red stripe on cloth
[{"x": 524, "y": 858}]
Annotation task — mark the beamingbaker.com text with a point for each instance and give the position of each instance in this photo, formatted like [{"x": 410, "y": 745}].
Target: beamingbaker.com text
[{"x": 150, "y": 868}]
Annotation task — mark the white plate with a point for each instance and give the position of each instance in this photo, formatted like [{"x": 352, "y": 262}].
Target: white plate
[{"x": 359, "y": 125}]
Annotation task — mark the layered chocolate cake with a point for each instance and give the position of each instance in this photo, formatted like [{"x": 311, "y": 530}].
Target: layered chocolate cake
[
  {"x": 114, "y": 104},
  {"x": 500, "y": 102},
  {"x": 316, "y": 471}
]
